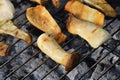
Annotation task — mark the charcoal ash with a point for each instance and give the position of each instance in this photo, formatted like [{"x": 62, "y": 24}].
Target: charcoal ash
[
  {"x": 99, "y": 68},
  {"x": 118, "y": 10},
  {"x": 77, "y": 72},
  {"x": 117, "y": 36},
  {"x": 111, "y": 44},
  {"x": 28, "y": 67},
  {"x": 114, "y": 26},
  {"x": 118, "y": 50},
  {"x": 103, "y": 65}
]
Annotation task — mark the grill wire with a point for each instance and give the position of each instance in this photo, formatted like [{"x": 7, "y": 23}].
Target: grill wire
[{"x": 105, "y": 47}]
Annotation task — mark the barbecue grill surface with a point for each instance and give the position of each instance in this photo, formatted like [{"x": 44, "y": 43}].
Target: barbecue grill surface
[{"x": 26, "y": 62}]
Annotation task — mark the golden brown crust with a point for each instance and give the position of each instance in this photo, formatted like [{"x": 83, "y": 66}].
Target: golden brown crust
[
  {"x": 3, "y": 49},
  {"x": 84, "y": 12},
  {"x": 40, "y": 1},
  {"x": 72, "y": 60},
  {"x": 42, "y": 19},
  {"x": 60, "y": 38},
  {"x": 7, "y": 27},
  {"x": 50, "y": 47},
  {"x": 56, "y": 3},
  {"x": 68, "y": 21},
  {"x": 92, "y": 33},
  {"x": 103, "y": 6}
]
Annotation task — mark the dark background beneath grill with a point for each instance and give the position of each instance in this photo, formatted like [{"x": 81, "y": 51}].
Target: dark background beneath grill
[{"x": 27, "y": 62}]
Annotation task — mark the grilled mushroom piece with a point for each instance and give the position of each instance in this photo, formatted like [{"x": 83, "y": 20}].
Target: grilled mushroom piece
[
  {"x": 84, "y": 12},
  {"x": 6, "y": 10},
  {"x": 40, "y": 1},
  {"x": 103, "y": 6},
  {"x": 7, "y": 27},
  {"x": 3, "y": 49},
  {"x": 56, "y": 3},
  {"x": 41, "y": 19},
  {"x": 51, "y": 48},
  {"x": 93, "y": 34}
]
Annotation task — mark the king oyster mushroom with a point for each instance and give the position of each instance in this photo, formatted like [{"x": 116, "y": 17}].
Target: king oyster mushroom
[
  {"x": 102, "y": 5},
  {"x": 6, "y": 10},
  {"x": 85, "y": 12},
  {"x": 7, "y": 27},
  {"x": 42, "y": 19},
  {"x": 50, "y": 47},
  {"x": 91, "y": 32}
]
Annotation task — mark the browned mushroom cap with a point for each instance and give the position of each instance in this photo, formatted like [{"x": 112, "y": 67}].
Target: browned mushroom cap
[
  {"x": 42, "y": 19},
  {"x": 85, "y": 12},
  {"x": 50, "y": 47},
  {"x": 7, "y": 27},
  {"x": 3, "y": 49},
  {"x": 103, "y": 6}
]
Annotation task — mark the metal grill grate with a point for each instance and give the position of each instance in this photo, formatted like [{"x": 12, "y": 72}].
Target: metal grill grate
[{"x": 61, "y": 21}]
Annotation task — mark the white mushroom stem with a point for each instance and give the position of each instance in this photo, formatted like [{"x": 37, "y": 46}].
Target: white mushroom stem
[
  {"x": 51, "y": 48},
  {"x": 6, "y": 10},
  {"x": 92, "y": 33},
  {"x": 7, "y": 27}
]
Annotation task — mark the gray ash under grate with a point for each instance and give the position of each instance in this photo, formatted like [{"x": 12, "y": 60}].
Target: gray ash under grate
[{"x": 28, "y": 62}]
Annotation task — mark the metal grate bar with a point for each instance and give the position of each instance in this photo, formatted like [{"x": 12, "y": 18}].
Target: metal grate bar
[
  {"x": 47, "y": 60},
  {"x": 98, "y": 61},
  {"x": 93, "y": 50},
  {"x": 63, "y": 76},
  {"x": 22, "y": 11},
  {"x": 3, "y": 38},
  {"x": 107, "y": 70},
  {"x": 18, "y": 15},
  {"x": 22, "y": 64},
  {"x": 118, "y": 78},
  {"x": 18, "y": 39},
  {"x": 94, "y": 65},
  {"x": 36, "y": 68},
  {"x": 110, "y": 22},
  {"x": 19, "y": 52},
  {"x": 18, "y": 27},
  {"x": 55, "y": 67},
  {"x": 16, "y": 18},
  {"x": 17, "y": 55}
]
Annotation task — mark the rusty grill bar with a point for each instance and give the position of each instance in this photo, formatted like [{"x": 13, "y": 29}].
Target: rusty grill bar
[{"x": 105, "y": 47}]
